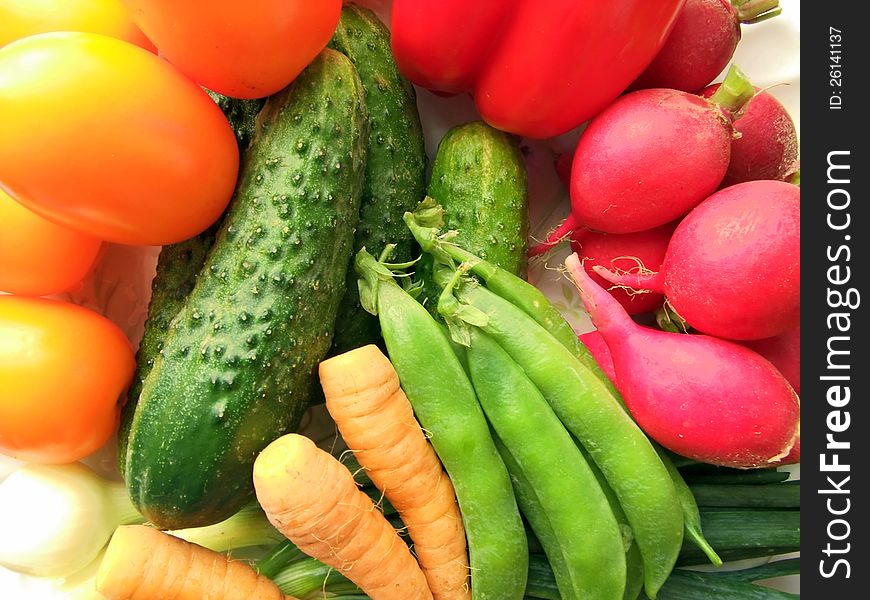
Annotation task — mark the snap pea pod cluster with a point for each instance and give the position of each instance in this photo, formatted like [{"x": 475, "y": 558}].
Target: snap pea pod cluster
[
  {"x": 585, "y": 407},
  {"x": 426, "y": 363},
  {"x": 445, "y": 403},
  {"x": 425, "y": 222}
]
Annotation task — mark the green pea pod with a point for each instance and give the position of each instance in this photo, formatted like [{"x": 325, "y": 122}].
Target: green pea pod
[
  {"x": 561, "y": 497},
  {"x": 617, "y": 445},
  {"x": 633, "y": 560},
  {"x": 446, "y": 406}
]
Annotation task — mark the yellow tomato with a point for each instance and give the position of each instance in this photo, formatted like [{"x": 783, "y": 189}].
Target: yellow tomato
[
  {"x": 241, "y": 49},
  {"x": 20, "y": 18},
  {"x": 37, "y": 257},
  {"x": 63, "y": 371},
  {"x": 102, "y": 136}
]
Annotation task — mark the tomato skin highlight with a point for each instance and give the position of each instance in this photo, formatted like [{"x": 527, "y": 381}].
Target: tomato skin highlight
[
  {"x": 37, "y": 257},
  {"x": 22, "y": 18},
  {"x": 135, "y": 154},
  {"x": 240, "y": 49},
  {"x": 63, "y": 369},
  {"x": 537, "y": 69}
]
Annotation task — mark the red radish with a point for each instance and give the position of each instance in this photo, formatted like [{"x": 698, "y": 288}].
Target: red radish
[
  {"x": 702, "y": 43},
  {"x": 594, "y": 341},
  {"x": 784, "y": 351},
  {"x": 639, "y": 252},
  {"x": 702, "y": 397},
  {"x": 794, "y": 456},
  {"x": 649, "y": 158},
  {"x": 732, "y": 268},
  {"x": 767, "y": 147}
]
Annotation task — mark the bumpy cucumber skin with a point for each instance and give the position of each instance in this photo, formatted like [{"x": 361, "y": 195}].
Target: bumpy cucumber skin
[
  {"x": 177, "y": 268},
  {"x": 238, "y": 364},
  {"x": 396, "y": 170},
  {"x": 242, "y": 115},
  {"x": 479, "y": 178}
]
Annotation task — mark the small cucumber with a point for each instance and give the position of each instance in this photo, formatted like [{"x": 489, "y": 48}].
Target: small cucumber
[
  {"x": 396, "y": 168},
  {"x": 479, "y": 178},
  {"x": 177, "y": 268},
  {"x": 238, "y": 364}
]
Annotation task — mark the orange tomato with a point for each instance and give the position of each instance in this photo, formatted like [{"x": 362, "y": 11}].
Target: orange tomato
[
  {"x": 102, "y": 136},
  {"x": 21, "y": 18},
  {"x": 37, "y": 257},
  {"x": 63, "y": 370},
  {"x": 241, "y": 49}
]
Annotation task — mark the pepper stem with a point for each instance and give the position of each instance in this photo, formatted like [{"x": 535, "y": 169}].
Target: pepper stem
[{"x": 734, "y": 92}]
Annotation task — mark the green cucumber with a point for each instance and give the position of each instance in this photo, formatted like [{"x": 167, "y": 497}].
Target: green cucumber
[
  {"x": 238, "y": 365},
  {"x": 396, "y": 168},
  {"x": 177, "y": 268},
  {"x": 479, "y": 178},
  {"x": 242, "y": 115}
]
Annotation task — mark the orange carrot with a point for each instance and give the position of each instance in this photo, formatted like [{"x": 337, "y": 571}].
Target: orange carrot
[
  {"x": 312, "y": 499},
  {"x": 377, "y": 422},
  {"x": 143, "y": 563}
]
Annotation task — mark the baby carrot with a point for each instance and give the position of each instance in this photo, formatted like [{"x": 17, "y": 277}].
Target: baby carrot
[
  {"x": 377, "y": 422},
  {"x": 144, "y": 563},
  {"x": 312, "y": 499}
]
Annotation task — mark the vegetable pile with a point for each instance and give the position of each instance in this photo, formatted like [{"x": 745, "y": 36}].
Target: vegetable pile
[{"x": 311, "y": 253}]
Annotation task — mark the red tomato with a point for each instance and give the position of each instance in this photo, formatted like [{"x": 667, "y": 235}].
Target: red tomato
[
  {"x": 63, "y": 370},
  {"x": 102, "y": 136},
  {"x": 37, "y": 257},
  {"x": 240, "y": 49},
  {"x": 29, "y": 17}
]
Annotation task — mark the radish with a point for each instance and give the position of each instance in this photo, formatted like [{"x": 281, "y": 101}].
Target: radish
[
  {"x": 649, "y": 158},
  {"x": 784, "y": 351},
  {"x": 702, "y": 41},
  {"x": 639, "y": 252},
  {"x": 732, "y": 268},
  {"x": 594, "y": 341},
  {"x": 702, "y": 397},
  {"x": 767, "y": 146}
]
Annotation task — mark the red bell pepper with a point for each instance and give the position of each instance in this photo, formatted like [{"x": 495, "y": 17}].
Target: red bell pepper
[{"x": 537, "y": 68}]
